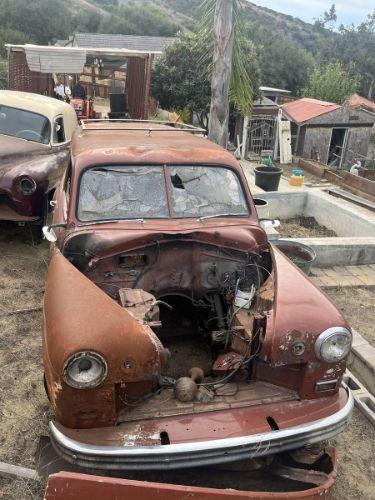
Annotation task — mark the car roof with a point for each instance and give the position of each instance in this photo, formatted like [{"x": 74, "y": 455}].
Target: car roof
[
  {"x": 143, "y": 143},
  {"x": 36, "y": 103}
]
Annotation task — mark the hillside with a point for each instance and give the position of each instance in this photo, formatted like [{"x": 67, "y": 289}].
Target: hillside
[{"x": 286, "y": 47}]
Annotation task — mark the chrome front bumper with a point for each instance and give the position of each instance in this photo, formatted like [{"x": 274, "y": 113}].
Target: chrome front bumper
[{"x": 176, "y": 456}]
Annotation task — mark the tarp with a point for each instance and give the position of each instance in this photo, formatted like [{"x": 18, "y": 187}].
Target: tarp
[{"x": 44, "y": 60}]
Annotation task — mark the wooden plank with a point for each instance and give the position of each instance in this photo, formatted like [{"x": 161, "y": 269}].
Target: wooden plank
[{"x": 15, "y": 471}]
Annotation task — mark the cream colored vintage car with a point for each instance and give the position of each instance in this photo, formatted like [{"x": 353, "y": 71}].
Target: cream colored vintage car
[{"x": 35, "y": 134}]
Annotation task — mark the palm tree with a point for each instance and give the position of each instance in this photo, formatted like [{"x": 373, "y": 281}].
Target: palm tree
[{"x": 222, "y": 30}]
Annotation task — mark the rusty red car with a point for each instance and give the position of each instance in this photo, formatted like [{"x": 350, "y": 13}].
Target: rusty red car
[
  {"x": 35, "y": 134},
  {"x": 175, "y": 335}
]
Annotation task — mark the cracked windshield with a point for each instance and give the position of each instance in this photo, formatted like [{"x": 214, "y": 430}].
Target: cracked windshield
[{"x": 140, "y": 192}]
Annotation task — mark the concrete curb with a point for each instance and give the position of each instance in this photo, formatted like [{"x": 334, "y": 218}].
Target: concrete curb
[
  {"x": 362, "y": 361},
  {"x": 363, "y": 400}
]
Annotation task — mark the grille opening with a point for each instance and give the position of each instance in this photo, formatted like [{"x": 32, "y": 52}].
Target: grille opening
[
  {"x": 164, "y": 438},
  {"x": 272, "y": 423}
]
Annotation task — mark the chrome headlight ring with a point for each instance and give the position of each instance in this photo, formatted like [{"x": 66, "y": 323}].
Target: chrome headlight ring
[
  {"x": 334, "y": 344},
  {"x": 85, "y": 370}
]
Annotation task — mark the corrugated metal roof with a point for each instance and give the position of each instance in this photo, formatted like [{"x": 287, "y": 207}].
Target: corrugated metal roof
[
  {"x": 305, "y": 109},
  {"x": 54, "y": 60},
  {"x": 130, "y": 42}
]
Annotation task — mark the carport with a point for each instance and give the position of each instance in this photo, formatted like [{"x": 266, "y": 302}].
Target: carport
[{"x": 30, "y": 69}]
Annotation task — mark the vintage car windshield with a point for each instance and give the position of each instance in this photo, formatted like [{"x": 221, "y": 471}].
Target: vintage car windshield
[
  {"x": 24, "y": 124},
  {"x": 132, "y": 192}
]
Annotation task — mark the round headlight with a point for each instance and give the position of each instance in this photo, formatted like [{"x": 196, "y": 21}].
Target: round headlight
[
  {"x": 85, "y": 370},
  {"x": 333, "y": 344},
  {"x": 27, "y": 185}
]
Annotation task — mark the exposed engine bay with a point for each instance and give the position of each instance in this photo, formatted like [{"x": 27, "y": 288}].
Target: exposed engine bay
[{"x": 205, "y": 303}]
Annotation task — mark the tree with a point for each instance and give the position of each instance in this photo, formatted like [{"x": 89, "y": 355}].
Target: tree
[
  {"x": 331, "y": 82},
  {"x": 3, "y": 74},
  {"x": 328, "y": 19},
  {"x": 222, "y": 31},
  {"x": 135, "y": 20},
  {"x": 180, "y": 80},
  {"x": 41, "y": 21},
  {"x": 354, "y": 46},
  {"x": 221, "y": 72},
  {"x": 284, "y": 64},
  {"x": 177, "y": 82}
]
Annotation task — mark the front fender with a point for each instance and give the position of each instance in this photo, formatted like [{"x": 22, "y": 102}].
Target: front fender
[
  {"x": 46, "y": 170},
  {"x": 78, "y": 316},
  {"x": 300, "y": 313}
]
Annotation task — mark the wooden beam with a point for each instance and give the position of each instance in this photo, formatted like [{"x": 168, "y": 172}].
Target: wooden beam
[{"x": 10, "y": 471}]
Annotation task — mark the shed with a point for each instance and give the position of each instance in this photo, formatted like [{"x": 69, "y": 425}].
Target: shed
[
  {"x": 31, "y": 69},
  {"x": 333, "y": 134}
]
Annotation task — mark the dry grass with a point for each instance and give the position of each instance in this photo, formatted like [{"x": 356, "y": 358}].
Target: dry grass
[{"x": 303, "y": 227}]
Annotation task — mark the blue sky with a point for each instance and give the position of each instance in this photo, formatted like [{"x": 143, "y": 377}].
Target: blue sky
[{"x": 348, "y": 11}]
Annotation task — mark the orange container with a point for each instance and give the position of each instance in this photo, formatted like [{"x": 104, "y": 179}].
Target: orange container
[{"x": 296, "y": 180}]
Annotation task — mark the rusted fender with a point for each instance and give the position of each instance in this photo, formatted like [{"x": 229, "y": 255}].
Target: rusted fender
[
  {"x": 69, "y": 486},
  {"x": 78, "y": 316},
  {"x": 301, "y": 312}
]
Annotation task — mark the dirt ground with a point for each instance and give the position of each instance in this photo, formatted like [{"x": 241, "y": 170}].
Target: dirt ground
[
  {"x": 24, "y": 408},
  {"x": 303, "y": 227},
  {"x": 358, "y": 308}
]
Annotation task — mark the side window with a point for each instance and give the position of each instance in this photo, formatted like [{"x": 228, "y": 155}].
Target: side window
[{"x": 58, "y": 130}]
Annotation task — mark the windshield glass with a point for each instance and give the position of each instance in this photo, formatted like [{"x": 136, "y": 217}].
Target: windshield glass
[
  {"x": 139, "y": 192},
  {"x": 24, "y": 124},
  {"x": 206, "y": 191},
  {"x": 122, "y": 193}
]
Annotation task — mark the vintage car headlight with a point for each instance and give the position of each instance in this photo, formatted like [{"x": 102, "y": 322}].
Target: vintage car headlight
[
  {"x": 333, "y": 344},
  {"x": 85, "y": 370},
  {"x": 27, "y": 185}
]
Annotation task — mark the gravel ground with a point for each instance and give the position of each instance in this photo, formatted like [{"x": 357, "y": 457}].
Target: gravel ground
[{"x": 24, "y": 408}]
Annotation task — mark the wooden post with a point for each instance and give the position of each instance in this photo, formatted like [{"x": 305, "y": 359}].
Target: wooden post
[
  {"x": 221, "y": 72},
  {"x": 244, "y": 137}
]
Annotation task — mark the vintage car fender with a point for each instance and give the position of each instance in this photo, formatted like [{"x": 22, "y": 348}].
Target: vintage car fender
[
  {"x": 45, "y": 168},
  {"x": 300, "y": 313},
  {"x": 80, "y": 317}
]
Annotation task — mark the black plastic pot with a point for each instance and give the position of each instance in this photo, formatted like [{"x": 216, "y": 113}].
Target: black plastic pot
[
  {"x": 301, "y": 255},
  {"x": 268, "y": 178}
]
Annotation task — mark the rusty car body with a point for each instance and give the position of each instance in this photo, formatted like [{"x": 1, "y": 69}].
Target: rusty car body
[
  {"x": 175, "y": 335},
  {"x": 35, "y": 134}
]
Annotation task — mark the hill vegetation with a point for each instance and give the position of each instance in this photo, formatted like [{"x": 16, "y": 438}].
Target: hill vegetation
[{"x": 288, "y": 49}]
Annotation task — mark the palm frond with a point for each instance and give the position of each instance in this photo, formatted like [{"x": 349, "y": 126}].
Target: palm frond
[{"x": 241, "y": 91}]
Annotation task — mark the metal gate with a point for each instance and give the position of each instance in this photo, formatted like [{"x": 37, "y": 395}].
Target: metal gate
[{"x": 261, "y": 133}]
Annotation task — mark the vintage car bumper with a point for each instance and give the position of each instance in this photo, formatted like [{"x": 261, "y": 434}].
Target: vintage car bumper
[
  {"x": 65, "y": 485},
  {"x": 131, "y": 456}
]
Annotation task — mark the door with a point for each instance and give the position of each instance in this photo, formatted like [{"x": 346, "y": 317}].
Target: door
[
  {"x": 285, "y": 139},
  {"x": 337, "y": 147}
]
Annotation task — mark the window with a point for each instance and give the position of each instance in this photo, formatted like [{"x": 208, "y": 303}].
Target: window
[
  {"x": 24, "y": 124},
  {"x": 58, "y": 130},
  {"x": 139, "y": 192},
  {"x": 206, "y": 191},
  {"x": 122, "y": 193}
]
